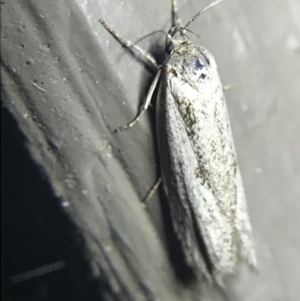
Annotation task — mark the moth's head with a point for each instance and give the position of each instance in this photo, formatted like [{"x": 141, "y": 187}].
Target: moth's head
[{"x": 175, "y": 38}]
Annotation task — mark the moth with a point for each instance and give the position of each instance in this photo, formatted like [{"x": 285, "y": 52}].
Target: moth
[{"x": 199, "y": 167}]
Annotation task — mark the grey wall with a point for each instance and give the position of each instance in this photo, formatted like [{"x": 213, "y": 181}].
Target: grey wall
[{"x": 69, "y": 84}]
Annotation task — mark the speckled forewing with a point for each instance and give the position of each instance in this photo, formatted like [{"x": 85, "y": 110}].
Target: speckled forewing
[
  {"x": 178, "y": 163},
  {"x": 199, "y": 165}
]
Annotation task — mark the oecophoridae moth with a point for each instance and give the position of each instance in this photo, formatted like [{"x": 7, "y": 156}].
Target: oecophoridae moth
[{"x": 199, "y": 167}]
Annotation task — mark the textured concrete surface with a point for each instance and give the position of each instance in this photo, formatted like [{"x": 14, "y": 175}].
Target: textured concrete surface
[{"x": 69, "y": 84}]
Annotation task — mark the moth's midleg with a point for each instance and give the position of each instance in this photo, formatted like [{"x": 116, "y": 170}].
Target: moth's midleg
[
  {"x": 176, "y": 22},
  {"x": 129, "y": 44},
  {"x": 145, "y": 105}
]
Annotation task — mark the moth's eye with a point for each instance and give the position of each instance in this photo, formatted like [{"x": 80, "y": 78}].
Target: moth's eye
[
  {"x": 169, "y": 48},
  {"x": 198, "y": 65}
]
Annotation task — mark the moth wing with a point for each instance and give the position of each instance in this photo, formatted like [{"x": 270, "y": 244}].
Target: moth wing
[
  {"x": 243, "y": 225},
  {"x": 197, "y": 208},
  {"x": 178, "y": 164},
  {"x": 238, "y": 245}
]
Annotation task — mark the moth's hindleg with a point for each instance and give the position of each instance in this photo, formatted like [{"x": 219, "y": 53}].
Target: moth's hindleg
[
  {"x": 152, "y": 190},
  {"x": 227, "y": 87}
]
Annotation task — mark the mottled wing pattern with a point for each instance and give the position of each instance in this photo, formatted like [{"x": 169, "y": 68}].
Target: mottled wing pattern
[
  {"x": 175, "y": 149},
  {"x": 199, "y": 165}
]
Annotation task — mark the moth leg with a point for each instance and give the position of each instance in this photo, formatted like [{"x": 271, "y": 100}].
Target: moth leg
[
  {"x": 130, "y": 44},
  {"x": 227, "y": 87},
  {"x": 176, "y": 22},
  {"x": 145, "y": 106},
  {"x": 152, "y": 190}
]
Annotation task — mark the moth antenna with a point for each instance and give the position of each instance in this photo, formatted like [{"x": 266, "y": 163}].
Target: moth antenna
[
  {"x": 201, "y": 12},
  {"x": 148, "y": 35},
  {"x": 186, "y": 29}
]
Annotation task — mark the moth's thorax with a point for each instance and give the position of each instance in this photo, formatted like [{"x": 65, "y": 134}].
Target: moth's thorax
[{"x": 194, "y": 64}]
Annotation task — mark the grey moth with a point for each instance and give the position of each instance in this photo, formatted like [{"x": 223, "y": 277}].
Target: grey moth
[{"x": 199, "y": 167}]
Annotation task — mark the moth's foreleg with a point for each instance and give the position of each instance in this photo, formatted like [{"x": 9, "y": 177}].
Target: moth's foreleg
[{"x": 130, "y": 44}]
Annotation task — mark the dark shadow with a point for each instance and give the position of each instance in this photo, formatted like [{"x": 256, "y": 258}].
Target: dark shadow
[
  {"x": 36, "y": 231},
  {"x": 183, "y": 272}
]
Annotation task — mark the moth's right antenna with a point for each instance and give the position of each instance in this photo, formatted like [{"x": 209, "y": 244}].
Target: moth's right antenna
[
  {"x": 148, "y": 35},
  {"x": 201, "y": 12}
]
